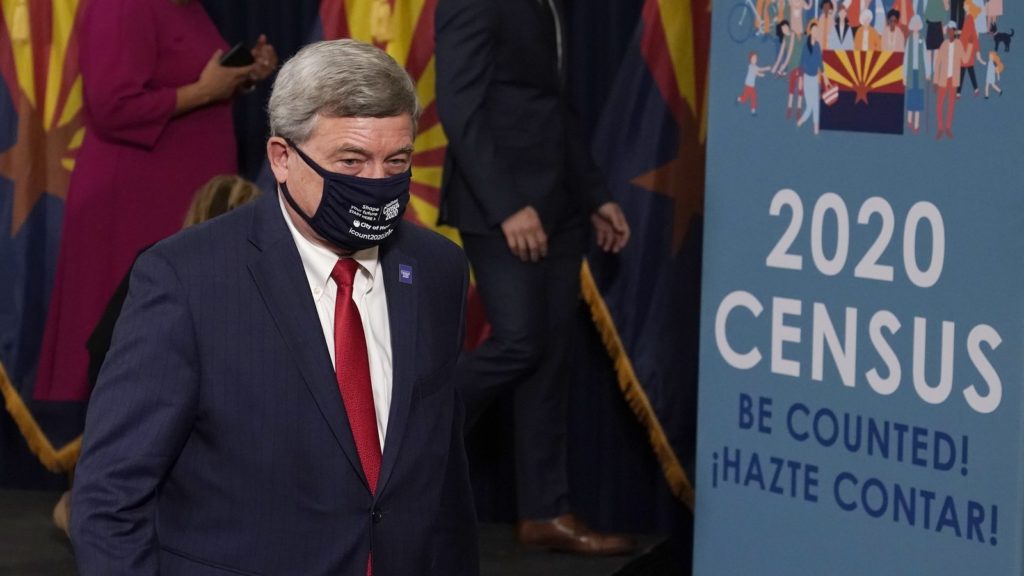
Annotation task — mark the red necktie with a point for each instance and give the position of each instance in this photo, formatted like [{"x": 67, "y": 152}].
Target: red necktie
[
  {"x": 352, "y": 366},
  {"x": 353, "y": 369}
]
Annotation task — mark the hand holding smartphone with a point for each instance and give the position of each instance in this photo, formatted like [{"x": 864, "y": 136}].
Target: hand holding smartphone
[{"x": 238, "y": 57}]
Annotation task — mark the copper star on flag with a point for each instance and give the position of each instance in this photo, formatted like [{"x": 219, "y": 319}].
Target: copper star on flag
[{"x": 682, "y": 180}]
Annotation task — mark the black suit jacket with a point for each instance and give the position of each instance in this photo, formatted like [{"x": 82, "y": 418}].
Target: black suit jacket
[
  {"x": 513, "y": 140},
  {"x": 216, "y": 440}
]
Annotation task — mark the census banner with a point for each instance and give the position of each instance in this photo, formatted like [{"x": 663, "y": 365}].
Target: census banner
[{"x": 863, "y": 299}]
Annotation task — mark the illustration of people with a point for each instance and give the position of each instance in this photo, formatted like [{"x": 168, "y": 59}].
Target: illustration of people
[
  {"x": 796, "y": 13},
  {"x": 754, "y": 72},
  {"x": 893, "y": 39},
  {"x": 813, "y": 11},
  {"x": 761, "y": 22},
  {"x": 814, "y": 72},
  {"x": 981, "y": 18},
  {"x": 787, "y": 64},
  {"x": 867, "y": 39},
  {"x": 934, "y": 17},
  {"x": 880, "y": 16},
  {"x": 853, "y": 10},
  {"x": 764, "y": 20},
  {"x": 906, "y": 10},
  {"x": 993, "y": 71},
  {"x": 956, "y": 12},
  {"x": 916, "y": 71},
  {"x": 840, "y": 34},
  {"x": 969, "y": 39},
  {"x": 825, "y": 22},
  {"x": 949, "y": 58},
  {"x": 993, "y": 10}
]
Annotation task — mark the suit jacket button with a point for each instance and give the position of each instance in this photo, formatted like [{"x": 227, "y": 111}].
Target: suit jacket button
[{"x": 377, "y": 516}]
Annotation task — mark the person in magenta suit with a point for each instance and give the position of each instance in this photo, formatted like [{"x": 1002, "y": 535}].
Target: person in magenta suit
[{"x": 158, "y": 125}]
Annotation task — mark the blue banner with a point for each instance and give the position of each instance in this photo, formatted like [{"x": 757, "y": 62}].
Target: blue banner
[{"x": 861, "y": 329}]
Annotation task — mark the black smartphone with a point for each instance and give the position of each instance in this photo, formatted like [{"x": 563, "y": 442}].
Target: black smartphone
[{"x": 237, "y": 57}]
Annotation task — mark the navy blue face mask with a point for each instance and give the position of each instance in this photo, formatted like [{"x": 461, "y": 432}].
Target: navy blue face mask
[{"x": 355, "y": 213}]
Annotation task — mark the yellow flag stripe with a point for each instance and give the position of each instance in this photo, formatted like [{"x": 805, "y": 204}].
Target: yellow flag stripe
[
  {"x": 77, "y": 138},
  {"x": 677, "y": 19},
  {"x": 431, "y": 139},
  {"x": 880, "y": 59},
  {"x": 836, "y": 78},
  {"x": 377, "y": 21},
  {"x": 360, "y": 14},
  {"x": 16, "y": 14},
  {"x": 427, "y": 175},
  {"x": 844, "y": 59},
  {"x": 426, "y": 88},
  {"x": 63, "y": 23},
  {"x": 73, "y": 106},
  {"x": 405, "y": 17},
  {"x": 895, "y": 75}
]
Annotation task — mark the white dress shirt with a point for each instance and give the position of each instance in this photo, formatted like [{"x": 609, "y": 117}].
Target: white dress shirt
[
  {"x": 951, "y": 54},
  {"x": 371, "y": 300}
]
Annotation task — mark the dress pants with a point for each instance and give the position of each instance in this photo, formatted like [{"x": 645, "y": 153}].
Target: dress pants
[
  {"x": 947, "y": 95},
  {"x": 531, "y": 307}
]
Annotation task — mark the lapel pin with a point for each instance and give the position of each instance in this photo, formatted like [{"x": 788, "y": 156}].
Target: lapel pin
[{"x": 405, "y": 274}]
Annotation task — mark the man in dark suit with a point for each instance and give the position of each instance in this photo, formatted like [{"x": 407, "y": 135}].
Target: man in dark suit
[
  {"x": 278, "y": 397},
  {"x": 519, "y": 185}
]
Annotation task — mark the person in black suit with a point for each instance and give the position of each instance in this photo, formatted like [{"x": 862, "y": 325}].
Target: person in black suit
[
  {"x": 520, "y": 186},
  {"x": 278, "y": 396}
]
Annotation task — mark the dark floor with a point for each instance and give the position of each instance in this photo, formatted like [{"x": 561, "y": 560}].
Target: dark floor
[{"x": 30, "y": 545}]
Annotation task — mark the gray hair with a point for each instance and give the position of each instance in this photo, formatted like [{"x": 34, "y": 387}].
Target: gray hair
[{"x": 338, "y": 78}]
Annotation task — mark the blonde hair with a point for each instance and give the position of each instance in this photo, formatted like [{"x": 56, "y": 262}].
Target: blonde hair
[
  {"x": 221, "y": 194},
  {"x": 998, "y": 61}
]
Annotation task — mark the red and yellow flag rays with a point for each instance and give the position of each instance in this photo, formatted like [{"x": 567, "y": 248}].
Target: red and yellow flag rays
[
  {"x": 675, "y": 44},
  {"x": 39, "y": 66},
  {"x": 865, "y": 72},
  {"x": 405, "y": 30}
]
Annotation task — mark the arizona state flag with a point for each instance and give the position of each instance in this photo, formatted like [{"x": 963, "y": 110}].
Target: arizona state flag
[
  {"x": 40, "y": 132},
  {"x": 650, "y": 145},
  {"x": 871, "y": 91},
  {"x": 405, "y": 30}
]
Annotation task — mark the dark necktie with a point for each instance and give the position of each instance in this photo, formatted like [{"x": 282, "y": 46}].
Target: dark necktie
[{"x": 352, "y": 366}]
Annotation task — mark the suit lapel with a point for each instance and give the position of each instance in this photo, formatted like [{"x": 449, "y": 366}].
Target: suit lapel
[
  {"x": 545, "y": 25},
  {"x": 402, "y": 310},
  {"x": 281, "y": 280}
]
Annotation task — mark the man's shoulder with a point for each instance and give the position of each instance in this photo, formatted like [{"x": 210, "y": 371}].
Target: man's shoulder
[{"x": 210, "y": 240}]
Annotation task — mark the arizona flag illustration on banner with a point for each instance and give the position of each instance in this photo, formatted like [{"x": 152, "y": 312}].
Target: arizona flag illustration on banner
[
  {"x": 40, "y": 132},
  {"x": 871, "y": 91},
  {"x": 405, "y": 30}
]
